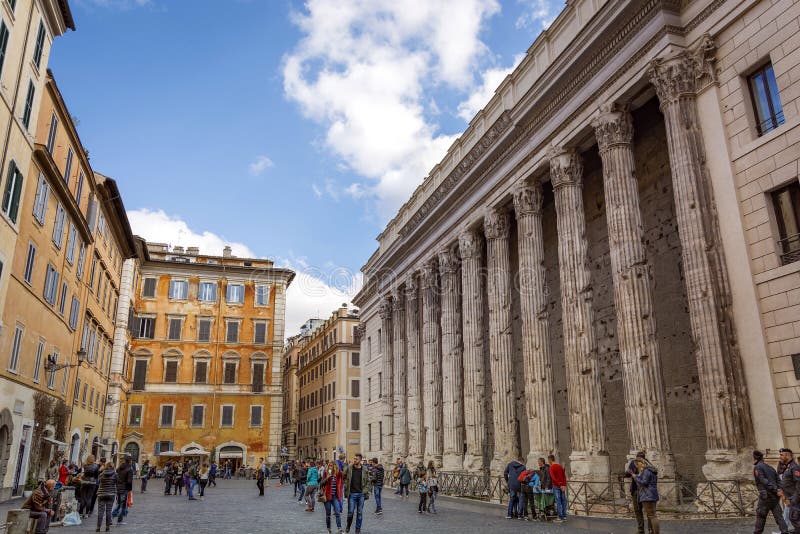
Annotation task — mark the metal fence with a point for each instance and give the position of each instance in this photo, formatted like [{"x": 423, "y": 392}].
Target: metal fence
[{"x": 679, "y": 498}]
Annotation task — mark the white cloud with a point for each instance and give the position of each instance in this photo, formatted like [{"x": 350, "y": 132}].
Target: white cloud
[
  {"x": 261, "y": 164},
  {"x": 362, "y": 69},
  {"x": 491, "y": 79},
  {"x": 539, "y": 13},
  {"x": 315, "y": 292}
]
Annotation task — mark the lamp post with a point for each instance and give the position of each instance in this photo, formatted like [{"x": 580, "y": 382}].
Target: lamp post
[
  {"x": 52, "y": 367},
  {"x": 335, "y": 429}
]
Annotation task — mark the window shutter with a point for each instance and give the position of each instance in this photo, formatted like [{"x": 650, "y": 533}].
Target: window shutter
[
  {"x": 149, "y": 289},
  {"x": 14, "y": 208},
  {"x": 158, "y": 448},
  {"x": 171, "y": 372},
  {"x": 230, "y": 373},
  {"x": 139, "y": 374},
  {"x": 200, "y": 371}
]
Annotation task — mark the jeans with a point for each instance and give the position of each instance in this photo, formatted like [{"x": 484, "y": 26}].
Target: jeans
[
  {"x": 122, "y": 505},
  {"x": 302, "y": 492},
  {"x": 403, "y": 490},
  {"x": 561, "y": 501},
  {"x": 649, "y": 509},
  {"x": 192, "y": 486},
  {"x": 87, "y": 492},
  {"x": 355, "y": 504},
  {"x": 42, "y": 521},
  {"x": 104, "y": 506},
  {"x": 144, "y": 483},
  {"x": 203, "y": 487},
  {"x": 513, "y": 503},
  {"x": 260, "y": 486},
  {"x": 334, "y": 505},
  {"x": 423, "y": 502},
  {"x": 377, "y": 490}
]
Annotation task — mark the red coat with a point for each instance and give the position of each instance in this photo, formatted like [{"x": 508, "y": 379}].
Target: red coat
[
  {"x": 339, "y": 487},
  {"x": 63, "y": 474},
  {"x": 558, "y": 476}
]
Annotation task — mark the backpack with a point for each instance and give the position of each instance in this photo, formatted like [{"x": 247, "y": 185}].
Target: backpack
[{"x": 525, "y": 477}]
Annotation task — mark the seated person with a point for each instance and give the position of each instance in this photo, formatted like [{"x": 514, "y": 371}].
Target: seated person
[{"x": 40, "y": 504}]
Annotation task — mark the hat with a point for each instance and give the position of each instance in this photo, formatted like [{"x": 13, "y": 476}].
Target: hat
[
  {"x": 785, "y": 449},
  {"x": 641, "y": 454},
  {"x": 758, "y": 455}
]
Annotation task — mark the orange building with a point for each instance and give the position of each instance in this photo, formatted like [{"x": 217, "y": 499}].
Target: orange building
[{"x": 206, "y": 355}]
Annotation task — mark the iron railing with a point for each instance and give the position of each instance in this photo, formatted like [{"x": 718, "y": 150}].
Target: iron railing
[
  {"x": 679, "y": 498},
  {"x": 790, "y": 249}
]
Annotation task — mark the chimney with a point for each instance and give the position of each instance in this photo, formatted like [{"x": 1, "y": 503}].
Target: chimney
[{"x": 226, "y": 252}]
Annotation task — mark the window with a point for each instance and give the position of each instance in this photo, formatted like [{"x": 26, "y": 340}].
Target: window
[
  {"x": 355, "y": 421},
  {"x": 28, "y": 109},
  {"x": 207, "y": 292},
  {"x": 369, "y": 389},
  {"x": 40, "y": 201},
  {"x": 77, "y": 393},
  {"x": 198, "y": 415},
  {"x": 79, "y": 189},
  {"x": 51, "y": 379},
  {"x": 380, "y": 385},
  {"x": 204, "y": 329},
  {"x": 74, "y": 310},
  {"x": 786, "y": 202},
  {"x": 39, "y": 48},
  {"x": 227, "y": 416},
  {"x": 149, "y": 288},
  {"x": 4, "y": 33},
  {"x": 229, "y": 373},
  {"x": 62, "y": 303},
  {"x": 354, "y": 388},
  {"x": 262, "y": 295},
  {"x": 91, "y": 400},
  {"x": 51, "y": 135},
  {"x": 355, "y": 359},
  {"x": 200, "y": 372},
  {"x": 135, "y": 415},
  {"x": 68, "y": 166},
  {"x": 58, "y": 227},
  {"x": 380, "y": 435},
  {"x": 258, "y": 377},
  {"x": 81, "y": 261},
  {"x": 139, "y": 374},
  {"x": 259, "y": 332},
  {"x": 167, "y": 415},
  {"x": 29, "y": 262},
  {"x": 171, "y": 371},
  {"x": 147, "y": 327},
  {"x": 51, "y": 285},
  {"x": 369, "y": 436},
  {"x": 178, "y": 289},
  {"x": 255, "y": 415},
  {"x": 174, "y": 333},
  {"x": 766, "y": 100},
  {"x": 234, "y": 294},
  {"x": 232, "y": 332},
  {"x": 13, "y": 190},
  {"x": 72, "y": 242},
  {"x": 38, "y": 365},
  {"x": 85, "y": 393}
]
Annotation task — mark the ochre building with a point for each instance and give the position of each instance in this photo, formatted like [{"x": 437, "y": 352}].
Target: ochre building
[{"x": 606, "y": 260}]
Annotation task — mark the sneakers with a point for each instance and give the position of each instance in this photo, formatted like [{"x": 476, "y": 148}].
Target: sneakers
[
  {"x": 379, "y": 511},
  {"x": 509, "y": 517}
]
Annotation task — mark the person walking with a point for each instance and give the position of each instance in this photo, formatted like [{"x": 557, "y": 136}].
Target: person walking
[
  {"x": 302, "y": 476},
  {"x": 260, "y": 480},
  {"x": 106, "y": 491},
  {"x": 202, "y": 480},
  {"x": 404, "y": 480},
  {"x": 312, "y": 482},
  {"x": 124, "y": 485},
  {"x": 88, "y": 486},
  {"x": 332, "y": 486},
  {"x": 422, "y": 489},
  {"x": 356, "y": 489},
  {"x": 511, "y": 476},
  {"x": 766, "y": 479},
  {"x": 634, "y": 470},
  {"x": 378, "y": 476},
  {"x": 433, "y": 488},
  {"x": 396, "y": 474},
  {"x": 790, "y": 487},
  {"x": 558, "y": 477},
  {"x": 191, "y": 480},
  {"x": 212, "y": 474},
  {"x": 647, "y": 484}
]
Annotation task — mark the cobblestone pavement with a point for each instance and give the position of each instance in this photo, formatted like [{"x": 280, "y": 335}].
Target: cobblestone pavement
[{"x": 234, "y": 507}]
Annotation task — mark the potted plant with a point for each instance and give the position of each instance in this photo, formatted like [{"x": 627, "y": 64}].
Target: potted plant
[{"x": 31, "y": 484}]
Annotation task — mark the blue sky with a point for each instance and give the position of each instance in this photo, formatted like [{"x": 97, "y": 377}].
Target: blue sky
[{"x": 269, "y": 123}]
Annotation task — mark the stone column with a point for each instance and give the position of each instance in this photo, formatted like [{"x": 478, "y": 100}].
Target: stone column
[
  {"x": 416, "y": 439},
  {"x": 726, "y": 408},
  {"x": 432, "y": 364},
  {"x": 501, "y": 344},
  {"x": 400, "y": 443},
  {"x": 452, "y": 359},
  {"x": 387, "y": 378},
  {"x": 645, "y": 404},
  {"x": 589, "y": 459},
  {"x": 470, "y": 248},
  {"x": 540, "y": 399}
]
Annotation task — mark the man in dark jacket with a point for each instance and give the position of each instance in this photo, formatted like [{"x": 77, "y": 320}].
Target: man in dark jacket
[
  {"x": 40, "y": 504},
  {"x": 632, "y": 472},
  {"x": 790, "y": 487},
  {"x": 124, "y": 485},
  {"x": 302, "y": 476},
  {"x": 378, "y": 475},
  {"x": 768, "y": 501},
  {"x": 356, "y": 490},
  {"x": 511, "y": 476},
  {"x": 647, "y": 484}
]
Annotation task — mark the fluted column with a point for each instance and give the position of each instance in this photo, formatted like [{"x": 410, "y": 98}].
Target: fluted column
[
  {"x": 452, "y": 362},
  {"x": 728, "y": 422},
  {"x": 645, "y": 404},
  {"x": 589, "y": 458},
  {"x": 501, "y": 344},
  {"x": 400, "y": 442},
  {"x": 540, "y": 400},
  {"x": 387, "y": 377},
  {"x": 416, "y": 439},
  {"x": 470, "y": 248},
  {"x": 432, "y": 366}
]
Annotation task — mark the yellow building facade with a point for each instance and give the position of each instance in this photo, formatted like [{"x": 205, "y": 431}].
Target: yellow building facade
[{"x": 204, "y": 368}]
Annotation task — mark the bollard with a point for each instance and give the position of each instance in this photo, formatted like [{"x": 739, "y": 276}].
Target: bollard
[{"x": 17, "y": 521}]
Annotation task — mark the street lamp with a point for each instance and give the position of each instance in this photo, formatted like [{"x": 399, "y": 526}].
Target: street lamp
[
  {"x": 52, "y": 365},
  {"x": 111, "y": 401},
  {"x": 51, "y": 359}
]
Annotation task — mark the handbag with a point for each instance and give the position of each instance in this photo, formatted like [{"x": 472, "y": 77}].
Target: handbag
[{"x": 322, "y": 498}]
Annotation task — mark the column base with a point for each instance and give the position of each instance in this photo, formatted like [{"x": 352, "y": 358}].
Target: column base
[
  {"x": 533, "y": 457},
  {"x": 498, "y": 465},
  {"x": 474, "y": 464},
  {"x": 728, "y": 464},
  {"x": 452, "y": 462},
  {"x": 663, "y": 460},
  {"x": 589, "y": 466}
]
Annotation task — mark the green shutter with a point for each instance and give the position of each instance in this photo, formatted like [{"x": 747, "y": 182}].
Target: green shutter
[
  {"x": 16, "y": 198},
  {"x": 12, "y": 167}
]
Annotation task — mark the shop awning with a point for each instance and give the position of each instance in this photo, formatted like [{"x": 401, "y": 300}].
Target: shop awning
[
  {"x": 171, "y": 454},
  {"x": 230, "y": 455},
  {"x": 59, "y": 444}
]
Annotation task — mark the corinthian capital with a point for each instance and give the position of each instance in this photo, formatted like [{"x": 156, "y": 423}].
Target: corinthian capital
[
  {"x": 685, "y": 73},
  {"x": 469, "y": 244},
  {"x": 385, "y": 309},
  {"x": 496, "y": 224},
  {"x": 428, "y": 271},
  {"x": 528, "y": 198},
  {"x": 448, "y": 261},
  {"x": 412, "y": 287},
  {"x": 565, "y": 167},
  {"x": 613, "y": 126},
  {"x": 397, "y": 300}
]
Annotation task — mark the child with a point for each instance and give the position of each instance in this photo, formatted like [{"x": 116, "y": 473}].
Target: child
[
  {"x": 422, "y": 487},
  {"x": 433, "y": 490}
]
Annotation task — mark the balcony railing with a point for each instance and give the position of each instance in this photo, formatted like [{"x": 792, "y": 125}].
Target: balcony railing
[
  {"x": 790, "y": 249},
  {"x": 258, "y": 388}
]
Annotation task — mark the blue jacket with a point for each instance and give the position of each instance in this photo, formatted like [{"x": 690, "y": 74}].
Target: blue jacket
[
  {"x": 511, "y": 474},
  {"x": 647, "y": 483},
  {"x": 312, "y": 477}
]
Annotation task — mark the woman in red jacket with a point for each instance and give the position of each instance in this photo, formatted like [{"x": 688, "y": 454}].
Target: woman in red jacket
[
  {"x": 63, "y": 474},
  {"x": 332, "y": 486}
]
